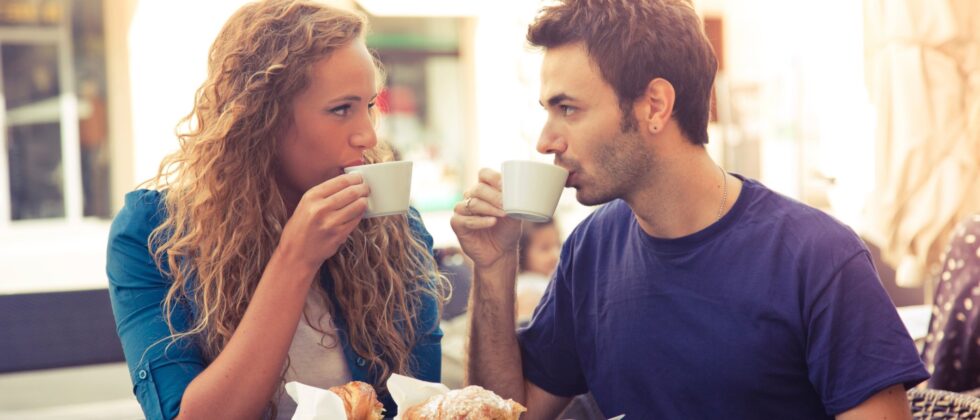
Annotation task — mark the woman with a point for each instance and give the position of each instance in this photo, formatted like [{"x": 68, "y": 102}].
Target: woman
[{"x": 250, "y": 264}]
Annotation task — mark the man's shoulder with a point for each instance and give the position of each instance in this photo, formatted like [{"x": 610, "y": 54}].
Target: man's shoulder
[{"x": 799, "y": 225}]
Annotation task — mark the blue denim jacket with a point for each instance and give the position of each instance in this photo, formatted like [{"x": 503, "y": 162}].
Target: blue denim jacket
[{"x": 161, "y": 369}]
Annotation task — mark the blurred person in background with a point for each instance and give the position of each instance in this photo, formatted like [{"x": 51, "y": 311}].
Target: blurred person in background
[
  {"x": 249, "y": 263},
  {"x": 539, "y": 246},
  {"x": 692, "y": 292}
]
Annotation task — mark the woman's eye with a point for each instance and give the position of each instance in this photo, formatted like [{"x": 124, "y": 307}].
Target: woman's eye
[
  {"x": 341, "y": 111},
  {"x": 566, "y": 110},
  {"x": 372, "y": 104}
]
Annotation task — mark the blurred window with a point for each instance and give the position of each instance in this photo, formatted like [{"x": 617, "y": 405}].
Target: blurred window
[
  {"x": 54, "y": 164},
  {"x": 422, "y": 105}
]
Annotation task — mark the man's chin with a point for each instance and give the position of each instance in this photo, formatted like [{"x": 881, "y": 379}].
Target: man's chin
[{"x": 586, "y": 199}]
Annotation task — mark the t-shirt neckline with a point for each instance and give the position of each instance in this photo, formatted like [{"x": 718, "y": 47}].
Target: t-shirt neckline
[{"x": 695, "y": 240}]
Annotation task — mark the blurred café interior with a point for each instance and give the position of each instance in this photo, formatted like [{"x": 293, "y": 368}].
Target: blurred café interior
[{"x": 868, "y": 110}]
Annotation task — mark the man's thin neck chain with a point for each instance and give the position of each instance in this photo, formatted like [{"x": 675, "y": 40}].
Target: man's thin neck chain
[{"x": 724, "y": 192}]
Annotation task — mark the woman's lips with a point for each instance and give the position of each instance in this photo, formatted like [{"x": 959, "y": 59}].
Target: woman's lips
[{"x": 355, "y": 162}]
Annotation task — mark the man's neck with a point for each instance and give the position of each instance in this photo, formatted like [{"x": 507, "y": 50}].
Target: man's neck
[{"x": 684, "y": 195}]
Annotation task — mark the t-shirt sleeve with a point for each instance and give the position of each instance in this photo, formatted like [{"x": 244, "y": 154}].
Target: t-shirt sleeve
[
  {"x": 160, "y": 368},
  {"x": 548, "y": 351},
  {"x": 856, "y": 343}
]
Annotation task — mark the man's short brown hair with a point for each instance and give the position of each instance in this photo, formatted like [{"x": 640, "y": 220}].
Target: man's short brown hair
[{"x": 634, "y": 42}]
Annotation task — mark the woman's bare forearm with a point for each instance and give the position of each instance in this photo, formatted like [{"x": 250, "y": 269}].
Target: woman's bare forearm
[{"x": 241, "y": 381}]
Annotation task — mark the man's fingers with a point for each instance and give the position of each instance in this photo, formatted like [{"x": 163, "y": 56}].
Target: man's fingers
[
  {"x": 474, "y": 206},
  {"x": 481, "y": 222},
  {"x": 490, "y": 177},
  {"x": 488, "y": 194},
  {"x": 461, "y": 223}
]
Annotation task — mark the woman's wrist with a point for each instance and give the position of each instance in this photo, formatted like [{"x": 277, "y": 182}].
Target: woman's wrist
[{"x": 291, "y": 260}]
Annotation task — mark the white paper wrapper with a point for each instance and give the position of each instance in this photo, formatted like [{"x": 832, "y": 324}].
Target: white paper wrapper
[
  {"x": 409, "y": 391},
  {"x": 314, "y": 403}
]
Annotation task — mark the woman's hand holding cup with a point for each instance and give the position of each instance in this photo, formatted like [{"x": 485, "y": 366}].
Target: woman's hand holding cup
[{"x": 324, "y": 218}]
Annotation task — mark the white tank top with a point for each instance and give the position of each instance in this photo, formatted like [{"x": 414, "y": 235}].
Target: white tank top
[{"x": 315, "y": 358}]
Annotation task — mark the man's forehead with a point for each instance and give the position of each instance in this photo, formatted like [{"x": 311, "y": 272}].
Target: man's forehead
[{"x": 568, "y": 71}]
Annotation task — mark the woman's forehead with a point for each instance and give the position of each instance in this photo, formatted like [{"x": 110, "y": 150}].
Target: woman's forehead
[{"x": 349, "y": 70}]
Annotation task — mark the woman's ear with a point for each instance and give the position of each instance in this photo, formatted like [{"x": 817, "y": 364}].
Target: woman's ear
[{"x": 655, "y": 106}]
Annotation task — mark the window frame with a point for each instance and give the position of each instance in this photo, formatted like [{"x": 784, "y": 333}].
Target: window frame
[{"x": 61, "y": 37}]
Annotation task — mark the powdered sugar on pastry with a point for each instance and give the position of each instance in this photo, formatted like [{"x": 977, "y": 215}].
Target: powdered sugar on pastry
[{"x": 470, "y": 403}]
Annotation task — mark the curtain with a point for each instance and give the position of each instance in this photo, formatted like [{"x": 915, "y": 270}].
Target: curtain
[{"x": 923, "y": 74}]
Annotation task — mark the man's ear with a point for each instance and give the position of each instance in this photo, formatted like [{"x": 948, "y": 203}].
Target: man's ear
[{"x": 655, "y": 106}]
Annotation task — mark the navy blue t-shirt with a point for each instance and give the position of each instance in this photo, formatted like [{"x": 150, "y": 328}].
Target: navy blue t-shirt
[{"x": 775, "y": 311}]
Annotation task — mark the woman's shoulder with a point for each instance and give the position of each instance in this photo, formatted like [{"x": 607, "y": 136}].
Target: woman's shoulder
[
  {"x": 129, "y": 262},
  {"x": 418, "y": 227},
  {"x": 142, "y": 211}
]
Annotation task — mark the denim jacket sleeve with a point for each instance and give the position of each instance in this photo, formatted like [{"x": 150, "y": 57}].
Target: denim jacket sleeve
[{"x": 159, "y": 367}]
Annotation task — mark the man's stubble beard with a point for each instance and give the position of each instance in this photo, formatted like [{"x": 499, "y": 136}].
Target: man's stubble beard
[{"x": 620, "y": 165}]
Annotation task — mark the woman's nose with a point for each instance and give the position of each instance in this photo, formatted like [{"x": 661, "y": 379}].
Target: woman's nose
[{"x": 365, "y": 137}]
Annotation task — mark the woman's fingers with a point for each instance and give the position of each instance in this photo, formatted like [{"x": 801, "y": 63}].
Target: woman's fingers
[
  {"x": 347, "y": 227},
  {"x": 347, "y": 196},
  {"x": 352, "y": 212},
  {"x": 334, "y": 185}
]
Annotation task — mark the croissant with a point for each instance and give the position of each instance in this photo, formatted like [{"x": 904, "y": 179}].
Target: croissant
[
  {"x": 470, "y": 403},
  {"x": 360, "y": 401}
]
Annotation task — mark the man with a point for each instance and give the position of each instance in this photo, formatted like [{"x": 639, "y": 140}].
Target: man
[{"x": 692, "y": 293}]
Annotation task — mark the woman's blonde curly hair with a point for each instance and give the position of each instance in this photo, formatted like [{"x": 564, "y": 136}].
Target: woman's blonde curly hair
[{"x": 225, "y": 213}]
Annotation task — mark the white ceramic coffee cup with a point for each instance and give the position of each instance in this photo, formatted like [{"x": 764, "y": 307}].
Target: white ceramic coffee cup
[
  {"x": 391, "y": 184},
  {"x": 532, "y": 189}
]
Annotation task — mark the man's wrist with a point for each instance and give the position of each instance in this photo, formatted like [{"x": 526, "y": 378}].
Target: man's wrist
[{"x": 503, "y": 266}]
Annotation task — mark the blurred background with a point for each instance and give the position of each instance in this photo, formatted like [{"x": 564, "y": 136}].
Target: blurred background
[{"x": 868, "y": 110}]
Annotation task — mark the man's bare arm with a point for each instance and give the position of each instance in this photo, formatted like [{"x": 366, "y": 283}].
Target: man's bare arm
[{"x": 891, "y": 403}]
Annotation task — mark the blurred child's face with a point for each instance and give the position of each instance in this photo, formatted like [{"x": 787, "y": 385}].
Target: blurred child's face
[{"x": 543, "y": 249}]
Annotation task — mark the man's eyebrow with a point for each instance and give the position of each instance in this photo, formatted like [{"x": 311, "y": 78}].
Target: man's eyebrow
[{"x": 557, "y": 99}]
